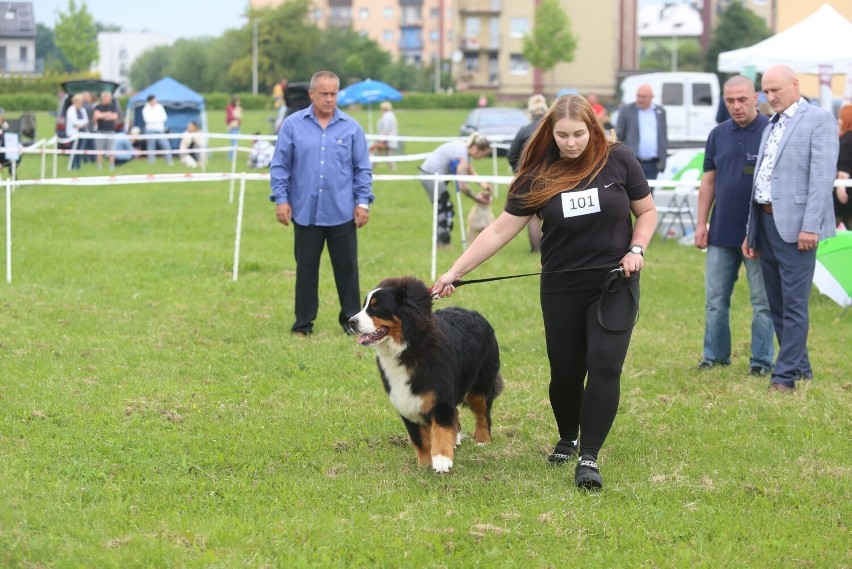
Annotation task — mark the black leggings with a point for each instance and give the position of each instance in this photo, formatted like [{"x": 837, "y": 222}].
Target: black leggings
[{"x": 577, "y": 346}]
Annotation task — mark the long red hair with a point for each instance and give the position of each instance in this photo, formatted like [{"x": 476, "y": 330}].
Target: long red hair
[
  {"x": 543, "y": 170},
  {"x": 845, "y": 119}
]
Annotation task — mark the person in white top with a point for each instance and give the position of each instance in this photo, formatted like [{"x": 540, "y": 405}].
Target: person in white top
[
  {"x": 154, "y": 116},
  {"x": 192, "y": 145},
  {"x": 76, "y": 121},
  {"x": 387, "y": 126}
]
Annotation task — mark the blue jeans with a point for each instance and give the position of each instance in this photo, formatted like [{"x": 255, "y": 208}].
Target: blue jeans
[
  {"x": 723, "y": 265},
  {"x": 234, "y": 142},
  {"x": 159, "y": 144}
]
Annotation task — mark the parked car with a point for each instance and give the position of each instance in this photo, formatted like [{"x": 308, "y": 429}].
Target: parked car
[
  {"x": 296, "y": 96},
  {"x": 94, "y": 86},
  {"x": 499, "y": 124}
]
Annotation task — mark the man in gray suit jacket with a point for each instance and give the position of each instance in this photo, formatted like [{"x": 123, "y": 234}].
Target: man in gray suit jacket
[
  {"x": 642, "y": 127},
  {"x": 791, "y": 211}
]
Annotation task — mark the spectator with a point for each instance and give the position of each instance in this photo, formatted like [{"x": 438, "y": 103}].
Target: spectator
[
  {"x": 3, "y": 124},
  {"x": 790, "y": 213},
  {"x": 387, "y": 126},
  {"x": 261, "y": 152},
  {"x": 729, "y": 158},
  {"x": 88, "y": 144},
  {"x": 597, "y": 108},
  {"x": 76, "y": 121},
  {"x": 454, "y": 158},
  {"x": 326, "y": 194},
  {"x": 587, "y": 189},
  {"x": 106, "y": 118},
  {"x": 536, "y": 109},
  {"x": 192, "y": 146},
  {"x": 154, "y": 116},
  {"x": 234, "y": 119},
  {"x": 642, "y": 127},
  {"x": 842, "y": 205}
]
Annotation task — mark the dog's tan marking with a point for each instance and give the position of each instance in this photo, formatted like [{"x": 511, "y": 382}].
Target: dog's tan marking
[
  {"x": 479, "y": 405},
  {"x": 424, "y": 455},
  {"x": 428, "y": 402},
  {"x": 443, "y": 441}
]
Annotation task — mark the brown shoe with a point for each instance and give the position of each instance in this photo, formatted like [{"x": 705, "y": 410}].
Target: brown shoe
[{"x": 781, "y": 388}]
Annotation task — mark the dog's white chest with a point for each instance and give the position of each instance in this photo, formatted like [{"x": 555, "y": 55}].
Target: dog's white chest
[{"x": 408, "y": 405}]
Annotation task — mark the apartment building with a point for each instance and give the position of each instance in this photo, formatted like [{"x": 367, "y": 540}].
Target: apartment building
[
  {"x": 17, "y": 38},
  {"x": 484, "y": 39}
]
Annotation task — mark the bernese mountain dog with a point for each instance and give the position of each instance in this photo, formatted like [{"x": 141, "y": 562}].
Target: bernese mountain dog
[{"x": 430, "y": 362}]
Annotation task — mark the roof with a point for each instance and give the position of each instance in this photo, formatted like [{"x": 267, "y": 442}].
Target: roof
[
  {"x": 169, "y": 92},
  {"x": 669, "y": 19},
  {"x": 16, "y": 20}
]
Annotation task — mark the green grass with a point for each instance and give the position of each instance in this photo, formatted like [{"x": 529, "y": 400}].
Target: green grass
[{"x": 153, "y": 413}]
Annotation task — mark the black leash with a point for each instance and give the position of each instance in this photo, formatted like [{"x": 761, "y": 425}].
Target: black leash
[{"x": 459, "y": 282}]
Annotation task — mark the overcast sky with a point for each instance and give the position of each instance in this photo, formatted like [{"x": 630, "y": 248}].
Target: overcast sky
[{"x": 172, "y": 18}]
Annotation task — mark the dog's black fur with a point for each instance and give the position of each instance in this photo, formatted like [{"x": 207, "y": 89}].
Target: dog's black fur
[{"x": 430, "y": 362}]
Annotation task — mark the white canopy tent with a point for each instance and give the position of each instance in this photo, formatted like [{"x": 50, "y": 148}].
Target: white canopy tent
[{"x": 823, "y": 38}]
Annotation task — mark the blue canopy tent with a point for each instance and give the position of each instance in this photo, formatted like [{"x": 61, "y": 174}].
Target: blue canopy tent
[{"x": 182, "y": 105}]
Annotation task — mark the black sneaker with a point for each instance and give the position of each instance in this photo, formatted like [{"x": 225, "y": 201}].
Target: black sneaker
[
  {"x": 588, "y": 475},
  {"x": 760, "y": 371},
  {"x": 564, "y": 452}
]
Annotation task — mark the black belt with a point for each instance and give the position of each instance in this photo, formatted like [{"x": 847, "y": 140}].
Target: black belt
[
  {"x": 766, "y": 207},
  {"x": 649, "y": 160}
]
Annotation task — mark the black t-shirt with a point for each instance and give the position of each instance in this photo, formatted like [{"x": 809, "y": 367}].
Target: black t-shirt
[
  {"x": 103, "y": 125},
  {"x": 590, "y": 226}
]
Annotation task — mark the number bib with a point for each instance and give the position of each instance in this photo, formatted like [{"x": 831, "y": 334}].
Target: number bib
[{"x": 580, "y": 203}]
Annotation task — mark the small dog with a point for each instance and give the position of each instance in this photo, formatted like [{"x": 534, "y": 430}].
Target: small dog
[{"x": 429, "y": 364}]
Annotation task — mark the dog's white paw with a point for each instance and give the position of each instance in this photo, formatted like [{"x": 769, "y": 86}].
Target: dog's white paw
[
  {"x": 441, "y": 463},
  {"x": 459, "y": 437}
]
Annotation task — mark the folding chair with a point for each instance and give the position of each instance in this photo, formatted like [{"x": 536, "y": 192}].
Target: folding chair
[{"x": 677, "y": 212}]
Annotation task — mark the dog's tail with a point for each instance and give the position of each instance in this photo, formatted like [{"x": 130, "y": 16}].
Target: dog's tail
[{"x": 498, "y": 384}]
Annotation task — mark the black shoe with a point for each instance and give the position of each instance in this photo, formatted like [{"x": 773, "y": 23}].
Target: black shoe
[
  {"x": 564, "y": 452},
  {"x": 760, "y": 371},
  {"x": 782, "y": 387},
  {"x": 704, "y": 364},
  {"x": 301, "y": 333},
  {"x": 806, "y": 375},
  {"x": 588, "y": 475}
]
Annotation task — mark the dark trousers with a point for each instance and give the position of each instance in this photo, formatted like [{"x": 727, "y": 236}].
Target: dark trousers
[
  {"x": 585, "y": 367},
  {"x": 309, "y": 241},
  {"x": 787, "y": 274},
  {"x": 649, "y": 167}
]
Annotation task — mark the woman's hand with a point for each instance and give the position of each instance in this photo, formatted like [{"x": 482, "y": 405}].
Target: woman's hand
[
  {"x": 632, "y": 263},
  {"x": 444, "y": 285}
]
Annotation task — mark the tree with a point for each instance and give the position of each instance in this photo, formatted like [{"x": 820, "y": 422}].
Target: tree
[
  {"x": 150, "y": 66},
  {"x": 77, "y": 36},
  {"x": 551, "y": 40},
  {"x": 738, "y": 27},
  {"x": 54, "y": 61}
]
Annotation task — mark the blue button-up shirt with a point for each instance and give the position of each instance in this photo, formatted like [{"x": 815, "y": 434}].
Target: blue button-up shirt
[{"x": 322, "y": 174}]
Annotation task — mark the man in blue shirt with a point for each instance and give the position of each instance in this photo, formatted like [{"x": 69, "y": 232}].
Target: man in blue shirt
[
  {"x": 321, "y": 180},
  {"x": 729, "y": 158}
]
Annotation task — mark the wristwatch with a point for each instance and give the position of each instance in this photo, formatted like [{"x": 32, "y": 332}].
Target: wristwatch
[
  {"x": 365, "y": 206},
  {"x": 636, "y": 250}
]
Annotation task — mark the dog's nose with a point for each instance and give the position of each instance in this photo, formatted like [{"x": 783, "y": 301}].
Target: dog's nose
[{"x": 352, "y": 325}]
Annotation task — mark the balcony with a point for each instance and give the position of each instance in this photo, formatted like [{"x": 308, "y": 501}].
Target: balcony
[
  {"x": 469, "y": 44},
  {"x": 489, "y": 7},
  {"x": 17, "y": 66},
  {"x": 339, "y": 22},
  {"x": 410, "y": 22}
]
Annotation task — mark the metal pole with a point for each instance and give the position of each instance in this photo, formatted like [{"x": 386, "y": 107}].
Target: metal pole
[
  {"x": 9, "y": 231},
  {"x": 254, "y": 58}
]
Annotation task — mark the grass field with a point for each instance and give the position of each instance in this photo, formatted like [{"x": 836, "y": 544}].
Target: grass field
[{"x": 153, "y": 413}]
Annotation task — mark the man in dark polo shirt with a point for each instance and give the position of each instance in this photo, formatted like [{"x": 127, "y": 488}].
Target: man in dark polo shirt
[
  {"x": 106, "y": 118},
  {"x": 726, "y": 186}
]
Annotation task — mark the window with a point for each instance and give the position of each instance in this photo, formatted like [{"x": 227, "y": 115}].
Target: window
[
  {"x": 471, "y": 27},
  {"x": 701, "y": 95},
  {"x": 435, "y": 13},
  {"x": 318, "y": 14},
  {"x": 387, "y": 36},
  {"x": 364, "y": 13},
  {"x": 471, "y": 63},
  {"x": 387, "y": 13},
  {"x": 433, "y": 36},
  {"x": 519, "y": 27},
  {"x": 518, "y": 65},
  {"x": 672, "y": 94},
  {"x": 23, "y": 53}
]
